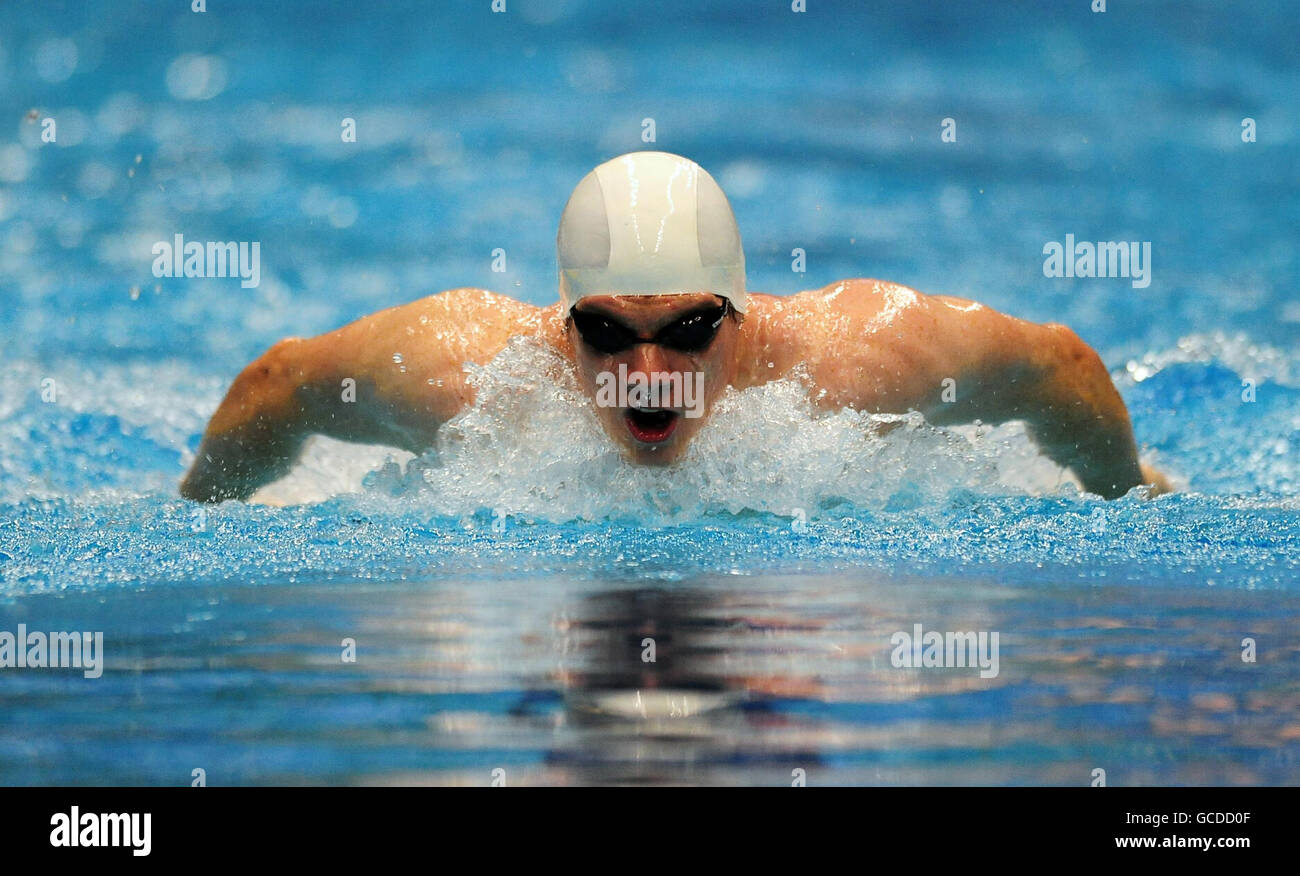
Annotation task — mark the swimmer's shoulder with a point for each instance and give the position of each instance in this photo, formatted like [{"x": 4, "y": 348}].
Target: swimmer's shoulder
[
  {"x": 825, "y": 325},
  {"x": 866, "y": 291},
  {"x": 465, "y": 319},
  {"x": 862, "y": 295},
  {"x": 480, "y": 310},
  {"x": 471, "y": 300}
]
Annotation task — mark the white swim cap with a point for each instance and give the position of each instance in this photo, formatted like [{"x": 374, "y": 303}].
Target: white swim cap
[{"x": 649, "y": 223}]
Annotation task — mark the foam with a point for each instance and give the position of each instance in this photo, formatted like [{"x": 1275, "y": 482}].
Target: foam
[{"x": 531, "y": 445}]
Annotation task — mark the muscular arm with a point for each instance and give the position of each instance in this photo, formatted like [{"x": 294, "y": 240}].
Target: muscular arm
[
  {"x": 893, "y": 349},
  {"x": 390, "y": 378}
]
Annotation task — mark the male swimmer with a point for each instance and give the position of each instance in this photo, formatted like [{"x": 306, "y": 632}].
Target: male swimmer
[{"x": 652, "y": 278}]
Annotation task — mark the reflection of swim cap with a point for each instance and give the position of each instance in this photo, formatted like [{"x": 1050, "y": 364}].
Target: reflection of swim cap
[{"x": 649, "y": 223}]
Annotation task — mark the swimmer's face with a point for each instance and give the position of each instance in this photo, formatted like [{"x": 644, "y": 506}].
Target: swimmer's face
[{"x": 654, "y": 365}]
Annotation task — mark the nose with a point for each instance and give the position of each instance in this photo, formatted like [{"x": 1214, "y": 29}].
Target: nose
[{"x": 649, "y": 358}]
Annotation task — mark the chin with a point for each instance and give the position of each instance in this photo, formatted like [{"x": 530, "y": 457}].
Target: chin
[{"x": 660, "y": 454}]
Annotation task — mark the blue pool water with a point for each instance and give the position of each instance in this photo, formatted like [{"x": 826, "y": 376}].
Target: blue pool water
[{"x": 501, "y": 589}]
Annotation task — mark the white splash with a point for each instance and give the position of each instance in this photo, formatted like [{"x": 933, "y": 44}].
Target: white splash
[{"x": 531, "y": 445}]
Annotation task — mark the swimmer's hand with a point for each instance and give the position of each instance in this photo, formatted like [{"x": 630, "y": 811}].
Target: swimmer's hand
[
  {"x": 256, "y": 434},
  {"x": 1076, "y": 415},
  {"x": 1156, "y": 482}
]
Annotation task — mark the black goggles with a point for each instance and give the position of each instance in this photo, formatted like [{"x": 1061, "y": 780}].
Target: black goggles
[{"x": 690, "y": 334}]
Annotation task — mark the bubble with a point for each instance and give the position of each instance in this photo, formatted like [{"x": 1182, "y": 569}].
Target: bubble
[
  {"x": 55, "y": 59},
  {"x": 120, "y": 114},
  {"x": 72, "y": 126},
  {"x": 590, "y": 72},
  {"x": 95, "y": 180},
  {"x": 196, "y": 77},
  {"x": 342, "y": 212},
  {"x": 443, "y": 148},
  {"x": 743, "y": 179},
  {"x": 316, "y": 201},
  {"x": 14, "y": 163}
]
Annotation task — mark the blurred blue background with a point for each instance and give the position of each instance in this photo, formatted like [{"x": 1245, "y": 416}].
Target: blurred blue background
[{"x": 473, "y": 127}]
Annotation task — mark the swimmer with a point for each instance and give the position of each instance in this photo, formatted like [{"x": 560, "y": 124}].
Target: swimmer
[{"x": 652, "y": 279}]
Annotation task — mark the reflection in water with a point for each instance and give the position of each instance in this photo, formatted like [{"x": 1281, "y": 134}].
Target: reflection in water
[
  {"x": 715, "y": 684},
  {"x": 651, "y": 691},
  {"x": 753, "y": 678}
]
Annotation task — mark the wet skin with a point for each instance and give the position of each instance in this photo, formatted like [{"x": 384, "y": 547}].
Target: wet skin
[{"x": 865, "y": 344}]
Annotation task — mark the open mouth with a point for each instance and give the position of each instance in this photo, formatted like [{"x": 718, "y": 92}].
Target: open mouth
[{"x": 650, "y": 425}]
